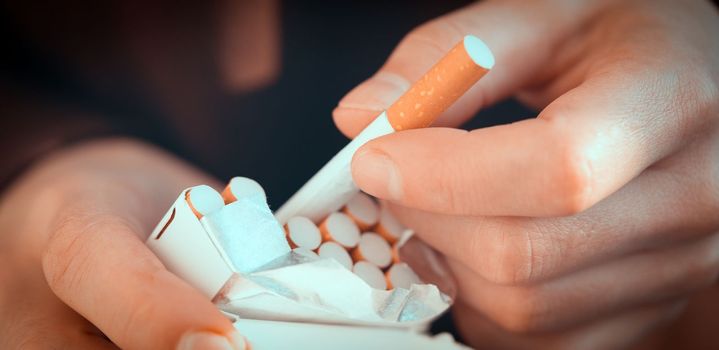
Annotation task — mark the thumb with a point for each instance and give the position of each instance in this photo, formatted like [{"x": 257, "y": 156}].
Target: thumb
[
  {"x": 97, "y": 263},
  {"x": 514, "y": 30}
]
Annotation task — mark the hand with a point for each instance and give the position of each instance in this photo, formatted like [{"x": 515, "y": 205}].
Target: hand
[
  {"x": 76, "y": 272},
  {"x": 586, "y": 226}
]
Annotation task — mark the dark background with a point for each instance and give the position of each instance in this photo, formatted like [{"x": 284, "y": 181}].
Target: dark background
[
  {"x": 71, "y": 64},
  {"x": 79, "y": 69}
]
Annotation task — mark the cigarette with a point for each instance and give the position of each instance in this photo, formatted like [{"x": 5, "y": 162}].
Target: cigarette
[
  {"x": 339, "y": 228},
  {"x": 374, "y": 249},
  {"x": 330, "y": 188},
  {"x": 332, "y": 250},
  {"x": 306, "y": 252},
  {"x": 203, "y": 200},
  {"x": 362, "y": 210},
  {"x": 242, "y": 187},
  {"x": 467, "y": 62},
  {"x": 388, "y": 226},
  {"x": 395, "y": 254},
  {"x": 371, "y": 274},
  {"x": 303, "y": 233},
  {"x": 401, "y": 276}
]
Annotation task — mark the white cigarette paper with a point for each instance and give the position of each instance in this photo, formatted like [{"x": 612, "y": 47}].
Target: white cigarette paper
[{"x": 332, "y": 186}]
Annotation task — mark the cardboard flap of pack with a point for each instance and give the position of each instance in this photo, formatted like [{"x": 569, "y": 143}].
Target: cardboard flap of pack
[
  {"x": 183, "y": 245},
  {"x": 195, "y": 249},
  {"x": 270, "y": 335}
]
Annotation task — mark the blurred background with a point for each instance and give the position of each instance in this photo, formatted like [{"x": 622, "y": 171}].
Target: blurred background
[
  {"x": 236, "y": 88},
  {"x": 162, "y": 72}
]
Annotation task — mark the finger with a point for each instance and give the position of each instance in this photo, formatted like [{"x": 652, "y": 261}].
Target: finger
[
  {"x": 50, "y": 338},
  {"x": 34, "y": 318},
  {"x": 583, "y": 147},
  {"x": 593, "y": 293},
  {"x": 614, "y": 332},
  {"x": 97, "y": 264},
  {"x": 626, "y": 115},
  {"x": 516, "y": 250},
  {"x": 535, "y": 30}
]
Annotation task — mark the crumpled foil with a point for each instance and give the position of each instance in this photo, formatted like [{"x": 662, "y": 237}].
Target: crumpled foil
[{"x": 295, "y": 287}]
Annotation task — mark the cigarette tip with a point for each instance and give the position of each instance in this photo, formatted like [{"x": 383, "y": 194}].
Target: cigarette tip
[{"x": 479, "y": 52}]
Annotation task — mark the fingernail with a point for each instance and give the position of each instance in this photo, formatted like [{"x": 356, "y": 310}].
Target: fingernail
[
  {"x": 377, "y": 174},
  {"x": 238, "y": 341},
  {"x": 211, "y": 341}
]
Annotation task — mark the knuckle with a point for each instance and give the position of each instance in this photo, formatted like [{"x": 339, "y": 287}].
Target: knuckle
[
  {"x": 61, "y": 259},
  {"x": 703, "y": 271},
  {"x": 703, "y": 90},
  {"x": 526, "y": 311},
  {"x": 572, "y": 183},
  {"x": 712, "y": 177},
  {"x": 72, "y": 246},
  {"x": 435, "y": 37},
  {"x": 513, "y": 256}
]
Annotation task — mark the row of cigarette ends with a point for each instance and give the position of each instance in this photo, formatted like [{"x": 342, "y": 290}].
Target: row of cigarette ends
[{"x": 363, "y": 236}]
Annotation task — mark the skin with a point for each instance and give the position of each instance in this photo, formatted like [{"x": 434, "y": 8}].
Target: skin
[
  {"x": 76, "y": 272},
  {"x": 586, "y": 227},
  {"x": 591, "y": 224},
  {"x": 82, "y": 277}
]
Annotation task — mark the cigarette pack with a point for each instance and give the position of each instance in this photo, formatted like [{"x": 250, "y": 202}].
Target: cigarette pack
[{"x": 239, "y": 257}]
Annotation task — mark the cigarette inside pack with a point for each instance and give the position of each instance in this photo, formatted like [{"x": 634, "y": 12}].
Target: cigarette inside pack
[{"x": 356, "y": 266}]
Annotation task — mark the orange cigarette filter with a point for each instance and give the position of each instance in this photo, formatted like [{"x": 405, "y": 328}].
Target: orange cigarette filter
[
  {"x": 338, "y": 227},
  {"x": 388, "y": 226},
  {"x": 395, "y": 254},
  {"x": 442, "y": 85},
  {"x": 203, "y": 200},
  {"x": 373, "y": 249},
  {"x": 363, "y": 211}
]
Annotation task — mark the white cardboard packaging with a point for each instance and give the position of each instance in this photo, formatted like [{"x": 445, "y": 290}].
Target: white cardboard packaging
[{"x": 195, "y": 251}]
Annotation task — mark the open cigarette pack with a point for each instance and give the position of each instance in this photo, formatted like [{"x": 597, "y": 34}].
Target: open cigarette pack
[
  {"x": 355, "y": 279},
  {"x": 331, "y": 268}
]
